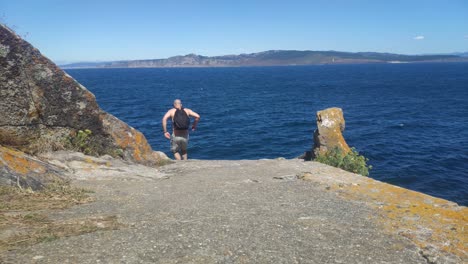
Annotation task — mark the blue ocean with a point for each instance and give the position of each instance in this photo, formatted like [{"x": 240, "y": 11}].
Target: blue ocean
[{"x": 410, "y": 120}]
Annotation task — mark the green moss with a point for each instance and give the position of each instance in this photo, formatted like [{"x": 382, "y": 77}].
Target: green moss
[{"x": 351, "y": 161}]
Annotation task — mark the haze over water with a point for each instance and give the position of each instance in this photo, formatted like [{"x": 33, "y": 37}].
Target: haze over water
[{"x": 410, "y": 120}]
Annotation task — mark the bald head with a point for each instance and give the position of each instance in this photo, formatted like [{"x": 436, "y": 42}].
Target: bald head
[{"x": 177, "y": 103}]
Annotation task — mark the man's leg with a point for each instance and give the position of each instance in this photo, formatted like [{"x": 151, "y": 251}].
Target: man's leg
[
  {"x": 175, "y": 148},
  {"x": 183, "y": 148}
]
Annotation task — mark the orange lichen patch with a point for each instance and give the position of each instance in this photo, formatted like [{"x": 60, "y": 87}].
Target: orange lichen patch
[
  {"x": 128, "y": 139},
  {"x": 133, "y": 140},
  {"x": 89, "y": 96},
  {"x": 330, "y": 125},
  {"x": 142, "y": 149},
  {"x": 137, "y": 151},
  {"x": 426, "y": 220},
  {"x": 16, "y": 161},
  {"x": 122, "y": 137},
  {"x": 336, "y": 139}
]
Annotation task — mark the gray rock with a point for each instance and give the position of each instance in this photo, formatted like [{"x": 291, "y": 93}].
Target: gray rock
[
  {"x": 225, "y": 212},
  {"x": 42, "y": 106},
  {"x": 25, "y": 171}
]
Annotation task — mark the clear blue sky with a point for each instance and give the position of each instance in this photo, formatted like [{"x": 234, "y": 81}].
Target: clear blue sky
[{"x": 100, "y": 30}]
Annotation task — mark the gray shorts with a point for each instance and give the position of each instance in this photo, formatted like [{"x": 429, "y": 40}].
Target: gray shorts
[{"x": 179, "y": 144}]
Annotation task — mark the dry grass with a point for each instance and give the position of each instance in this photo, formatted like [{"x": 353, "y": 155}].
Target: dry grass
[
  {"x": 23, "y": 218},
  {"x": 45, "y": 144},
  {"x": 56, "y": 195}
]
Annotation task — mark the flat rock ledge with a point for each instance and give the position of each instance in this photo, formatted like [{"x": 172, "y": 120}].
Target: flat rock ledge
[{"x": 250, "y": 211}]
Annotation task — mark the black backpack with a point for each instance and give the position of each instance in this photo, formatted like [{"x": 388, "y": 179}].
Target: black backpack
[{"x": 181, "y": 120}]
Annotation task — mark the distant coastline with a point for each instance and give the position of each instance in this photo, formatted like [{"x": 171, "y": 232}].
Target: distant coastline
[{"x": 272, "y": 58}]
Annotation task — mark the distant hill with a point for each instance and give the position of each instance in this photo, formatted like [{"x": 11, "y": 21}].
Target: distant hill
[
  {"x": 271, "y": 58},
  {"x": 461, "y": 54},
  {"x": 84, "y": 65}
]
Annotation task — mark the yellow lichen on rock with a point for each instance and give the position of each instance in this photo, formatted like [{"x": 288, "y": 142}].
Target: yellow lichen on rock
[
  {"x": 330, "y": 125},
  {"x": 133, "y": 143},
  {"x": 428, "y": 221},
  {"x": 18, "y": 163},
  {"x": 19, "y": 168},
  {"x": 144, "y": 151}
]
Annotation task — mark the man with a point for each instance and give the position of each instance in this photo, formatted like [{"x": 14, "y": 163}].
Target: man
[{"x": 180, "y": 124}]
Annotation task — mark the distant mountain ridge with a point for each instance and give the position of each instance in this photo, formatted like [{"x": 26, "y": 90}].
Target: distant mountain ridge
[{"x": 271, "y": 58}]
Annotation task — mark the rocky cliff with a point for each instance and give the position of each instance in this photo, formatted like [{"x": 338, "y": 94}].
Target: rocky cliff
[{"x": 43, "y": 109}]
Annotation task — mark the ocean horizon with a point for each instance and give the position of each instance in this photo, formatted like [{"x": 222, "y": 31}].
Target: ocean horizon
[{"x": 410, "y": 120}]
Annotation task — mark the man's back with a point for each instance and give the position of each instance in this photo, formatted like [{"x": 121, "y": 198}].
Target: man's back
[
  {"x": 180, "y": 128},
  {"x": 176, "y": 131}
]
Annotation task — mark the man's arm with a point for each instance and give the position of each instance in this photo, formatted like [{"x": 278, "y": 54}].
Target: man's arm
[
  {"x": 197, "y": 118},
  {"x": 164, "y": 124}
]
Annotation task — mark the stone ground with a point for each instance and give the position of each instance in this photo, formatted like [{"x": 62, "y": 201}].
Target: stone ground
[{"x": 263, "y": 211}]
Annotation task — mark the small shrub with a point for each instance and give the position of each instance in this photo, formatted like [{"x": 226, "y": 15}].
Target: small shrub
[
  {"x": 117, "y": 153},
  {"x": 352, "y": 161},
  {"x": 82, "y": 142}
]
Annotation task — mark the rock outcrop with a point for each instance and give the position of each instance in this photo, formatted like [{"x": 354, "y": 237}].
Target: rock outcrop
[
  {"x": 328, "y": 135},
  {"x": 42, "y": 107},
  {"x": 250, "y": 211},
  {"x": 20, "y": 169}
]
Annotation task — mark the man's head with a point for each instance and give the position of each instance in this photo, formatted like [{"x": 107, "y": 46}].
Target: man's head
[{"x": 177, "y": 103}]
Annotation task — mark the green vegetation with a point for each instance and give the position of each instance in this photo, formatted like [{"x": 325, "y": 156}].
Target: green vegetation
[
  {"x": 117, "y": 153},
  {"x": 351, "y": 161},
  {"x": 81, "y": 141}
]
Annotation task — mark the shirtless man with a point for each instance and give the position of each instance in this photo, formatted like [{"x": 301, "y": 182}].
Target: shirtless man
[{"x": 179, "y": 137}]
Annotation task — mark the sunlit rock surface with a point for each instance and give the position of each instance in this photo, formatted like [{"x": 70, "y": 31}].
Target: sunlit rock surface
[
  {"x": 330, "y": 126},
  {"x": 41, "y": 106}
]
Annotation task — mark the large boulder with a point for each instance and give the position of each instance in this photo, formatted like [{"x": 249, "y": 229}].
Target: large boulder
[
  {"x": 328, "y": 135},
  {"x": 43, "y": 108},
  {"x": 20, "y": 169}
]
